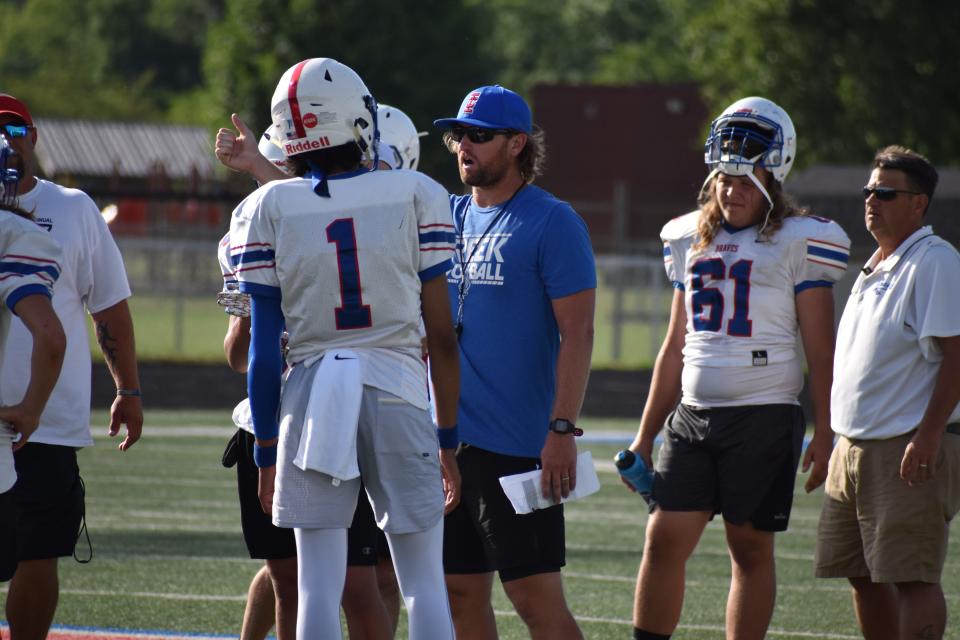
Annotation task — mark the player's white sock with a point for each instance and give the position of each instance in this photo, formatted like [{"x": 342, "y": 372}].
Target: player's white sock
[
  {"x": 418, "y": 562},
  {"x": 321, "y": 572}
]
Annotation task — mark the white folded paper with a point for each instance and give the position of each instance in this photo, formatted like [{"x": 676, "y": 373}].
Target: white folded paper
[{"x": 523, "y": 489}]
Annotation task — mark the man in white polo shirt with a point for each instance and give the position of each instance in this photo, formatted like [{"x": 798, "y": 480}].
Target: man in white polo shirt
[
  {"x": 49, "y": 493},
  {"x": 894, "y": 479}
]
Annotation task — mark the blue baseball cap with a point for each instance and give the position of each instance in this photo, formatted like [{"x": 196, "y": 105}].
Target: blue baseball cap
[{"x": 492, "y": 107}]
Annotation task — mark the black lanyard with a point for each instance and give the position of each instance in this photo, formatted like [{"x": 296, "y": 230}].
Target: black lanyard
[{"x": 463, "y": 287}]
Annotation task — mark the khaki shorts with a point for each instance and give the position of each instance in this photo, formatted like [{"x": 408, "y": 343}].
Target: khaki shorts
[{"x": 874, "y": 525}]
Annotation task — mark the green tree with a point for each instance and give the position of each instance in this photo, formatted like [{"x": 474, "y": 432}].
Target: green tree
[
  {"x": 119, "y": 59},
  {"x": 421, "y": 57},
  {"x": 584, "y": 41},
  {"x": 854, "y": 75}
]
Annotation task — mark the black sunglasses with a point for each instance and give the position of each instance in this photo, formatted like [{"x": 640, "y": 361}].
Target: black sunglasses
[
  {"x": 886, "y": 194},
  {"x": 477, "y": 135}
]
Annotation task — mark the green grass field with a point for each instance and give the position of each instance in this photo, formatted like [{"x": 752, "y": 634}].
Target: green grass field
[
  {"x": 191, "y": 329},
  {"x": 168, "y": 553}
]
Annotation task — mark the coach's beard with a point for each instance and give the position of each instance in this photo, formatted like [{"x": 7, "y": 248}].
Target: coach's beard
[{"x": 483, "y": 177}]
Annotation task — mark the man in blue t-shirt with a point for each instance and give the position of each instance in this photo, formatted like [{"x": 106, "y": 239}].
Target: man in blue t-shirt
[{"x": 522, "y": 289}]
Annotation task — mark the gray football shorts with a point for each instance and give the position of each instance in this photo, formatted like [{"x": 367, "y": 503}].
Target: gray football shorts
[{"x": 397, "y": 453}]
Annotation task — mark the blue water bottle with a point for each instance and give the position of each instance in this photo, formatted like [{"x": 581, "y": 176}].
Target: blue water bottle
[{"x": 633, "y": 470}]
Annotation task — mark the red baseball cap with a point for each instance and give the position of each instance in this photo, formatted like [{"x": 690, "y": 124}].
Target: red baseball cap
[{"x": 9, "y": 104}]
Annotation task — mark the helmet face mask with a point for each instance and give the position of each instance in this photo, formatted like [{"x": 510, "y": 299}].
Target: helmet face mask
[
  {"x": 320, "y": 103},
  {"x": 752, "y": 132},
  {"x": 269, "y": 147},
  {"x": 9, "y": 174}
]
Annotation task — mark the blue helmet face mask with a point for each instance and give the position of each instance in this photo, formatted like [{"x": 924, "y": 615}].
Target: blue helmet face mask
[
  {"x": 9, "y": 174},
  {"x": 737, "y": 144}
]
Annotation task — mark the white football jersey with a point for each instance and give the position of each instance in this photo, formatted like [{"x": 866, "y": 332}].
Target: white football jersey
[
  {"x": 29, "y": 264},
  {"x": 348, "y": 268},
  {"x": 739, "y": 296},
  {"x": 223, "y": 257},
  {"x": 93, "y": 279}
]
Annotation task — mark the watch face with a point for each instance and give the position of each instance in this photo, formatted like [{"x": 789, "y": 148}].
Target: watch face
[{"x": 562, "y": 426}]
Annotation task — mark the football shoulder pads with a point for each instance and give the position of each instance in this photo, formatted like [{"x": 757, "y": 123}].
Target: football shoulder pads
[{"x": 681, "y": 227}]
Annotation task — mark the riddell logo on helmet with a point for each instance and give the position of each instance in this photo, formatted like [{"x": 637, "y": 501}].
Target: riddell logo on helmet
[
  {"x": 306, "y": 145},
  {"x": 471, "y": 102},
  {"x": 310, "y": 120}
]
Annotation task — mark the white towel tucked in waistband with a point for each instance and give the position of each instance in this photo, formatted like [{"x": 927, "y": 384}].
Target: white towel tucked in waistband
[
  {"x": 242, "y": 417},
  {"x": 328, "y": 442}
]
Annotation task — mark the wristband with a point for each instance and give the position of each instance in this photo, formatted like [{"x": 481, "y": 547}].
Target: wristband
[
  {"x": 449, "y": 437},
  {"x": 264, "y": 456},
  {"x": 134, "y": 393}
]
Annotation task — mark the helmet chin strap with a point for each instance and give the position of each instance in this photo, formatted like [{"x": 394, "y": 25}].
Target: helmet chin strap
[
  {"x": 371, "y": 104},
  {"x": 763, "y": 190},
  {"x": 710, "y": 176},
  {"x": 744, "y": 169}
]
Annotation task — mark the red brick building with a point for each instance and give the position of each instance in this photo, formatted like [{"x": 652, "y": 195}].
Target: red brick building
[{"x": 628, "y": 158}]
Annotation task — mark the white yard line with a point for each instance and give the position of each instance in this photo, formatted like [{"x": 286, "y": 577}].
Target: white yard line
[
  {"x": 187, "y": 431},
  {"x": 701, "y": 627},
  {"x": 242, "y": 598}
]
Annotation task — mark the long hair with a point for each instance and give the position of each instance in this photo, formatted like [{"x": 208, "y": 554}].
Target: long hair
[
  {"x": 533, "y": 156},
  {"x": 711, "y": 218}
]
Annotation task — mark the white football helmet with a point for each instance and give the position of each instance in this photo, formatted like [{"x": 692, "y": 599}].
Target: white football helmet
[
  {"x": 752, "y": 132},
  {"x": 269, "y": 148},
  {"x": 321, "y": 103},
  {"x": 399, "y": 139},
  {"x": 9, "y": 174}
]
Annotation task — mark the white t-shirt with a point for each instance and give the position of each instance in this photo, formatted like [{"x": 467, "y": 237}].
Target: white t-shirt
[
  {"x": 886, "y": 361},
  {"x": 92, "y": 277},
  {"x": 348, "y": 268},
  {"x": 740, "y": 300},
  {"x": 30, "y": 262}
]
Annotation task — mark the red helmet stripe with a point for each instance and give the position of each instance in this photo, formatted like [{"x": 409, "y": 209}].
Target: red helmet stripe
[{"x": 292, "y": 99}]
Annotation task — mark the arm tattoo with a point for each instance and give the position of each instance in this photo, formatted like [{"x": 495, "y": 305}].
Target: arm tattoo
[{"x": 108, "y": 344}]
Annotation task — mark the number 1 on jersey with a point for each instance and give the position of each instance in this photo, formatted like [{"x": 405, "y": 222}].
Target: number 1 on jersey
[{"x": 352, "y": 313}]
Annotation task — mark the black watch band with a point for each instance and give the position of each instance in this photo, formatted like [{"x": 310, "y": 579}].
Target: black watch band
[{"x": 562, "y": 425}]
